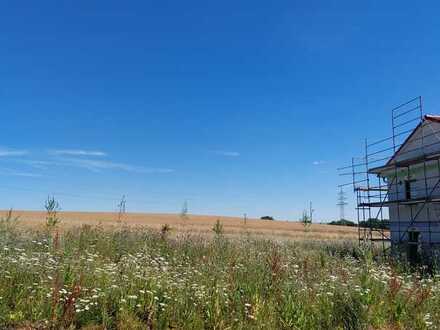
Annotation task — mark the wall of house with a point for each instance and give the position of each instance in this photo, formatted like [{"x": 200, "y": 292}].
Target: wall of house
[
  {"x": 416, "y": 182},
  {"x": 429, "y": 228},
  {"x": 427, "y": 216}
]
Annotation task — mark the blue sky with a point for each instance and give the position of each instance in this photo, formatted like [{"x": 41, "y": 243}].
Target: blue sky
[{"x": 237, "y": 107}]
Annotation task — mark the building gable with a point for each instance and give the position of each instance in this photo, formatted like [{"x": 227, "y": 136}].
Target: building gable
[{"x": 424, "y": 140}]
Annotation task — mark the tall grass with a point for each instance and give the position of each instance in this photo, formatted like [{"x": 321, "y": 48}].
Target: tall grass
[{"x": 93, "y": 278}]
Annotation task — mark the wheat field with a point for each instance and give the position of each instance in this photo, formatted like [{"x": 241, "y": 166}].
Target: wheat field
[{"x": 199, "y": 224}]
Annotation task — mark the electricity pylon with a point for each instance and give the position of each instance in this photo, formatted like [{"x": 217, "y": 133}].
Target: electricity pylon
[{"x": 342, "y": 202}]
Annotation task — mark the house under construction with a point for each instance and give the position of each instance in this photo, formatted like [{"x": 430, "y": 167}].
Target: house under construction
[{"x": 398, "y": 178}]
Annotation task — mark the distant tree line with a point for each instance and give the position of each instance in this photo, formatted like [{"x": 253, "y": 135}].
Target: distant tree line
[
  {"x": 370, "y": 223},
  {"x": 375, "y": 223},
  {"x": 343, "y": 222}
]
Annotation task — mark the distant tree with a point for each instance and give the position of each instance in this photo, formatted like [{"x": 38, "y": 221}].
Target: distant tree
[
  {"x": 52, "y": 207},
  {"x": 184, "y": 212},
  {"x": 218, "y": 228},
  {"x": 343, "y": 222},
  {"x": 122, "y": 208},
  {"x": 306, "y": 220},
  {"x": 266, "y": 217}
]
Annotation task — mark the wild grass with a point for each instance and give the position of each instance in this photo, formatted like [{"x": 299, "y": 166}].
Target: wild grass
[{"x": 92, "y": 278}]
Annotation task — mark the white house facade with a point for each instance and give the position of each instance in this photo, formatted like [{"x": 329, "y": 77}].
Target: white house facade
[{"x": 412, "y": 176}]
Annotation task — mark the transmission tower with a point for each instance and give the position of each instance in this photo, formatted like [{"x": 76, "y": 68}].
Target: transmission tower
[{"x": 342, "y": 202}]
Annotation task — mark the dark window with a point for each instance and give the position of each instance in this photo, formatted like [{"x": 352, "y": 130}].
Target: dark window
[
  {"x": 413, "y": 236},
  {"x": 407, "y": 189},
  {"x": 413, "y": 249}
]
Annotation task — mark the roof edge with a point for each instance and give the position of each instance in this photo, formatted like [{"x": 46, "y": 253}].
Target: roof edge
[{"x": 432, "y": 118}]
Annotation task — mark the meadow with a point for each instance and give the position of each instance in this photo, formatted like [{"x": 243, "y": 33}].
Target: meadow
[{"x": 128, "y": 277}]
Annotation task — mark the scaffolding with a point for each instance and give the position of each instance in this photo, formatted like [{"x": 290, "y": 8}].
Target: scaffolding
[{"x": 379, "y": 197}]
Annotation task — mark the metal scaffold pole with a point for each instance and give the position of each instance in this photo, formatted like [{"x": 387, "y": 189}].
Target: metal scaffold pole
[{"x": 388, "y": 160}]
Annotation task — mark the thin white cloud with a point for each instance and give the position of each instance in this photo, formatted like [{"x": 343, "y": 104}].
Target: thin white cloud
[
  {"x": 98, "y": 165},
  {"x": 6, "y": 152},
  {"x": 84, "y": 159},
  {"x": 227, "y": 153},
  {"x": 27, "y": 174},
  {"x": 11, "y": 172},
  {"x": 39, "y": 164},
  {"x": 319, "y": 162},
  {"x": 77, "y": 152}
]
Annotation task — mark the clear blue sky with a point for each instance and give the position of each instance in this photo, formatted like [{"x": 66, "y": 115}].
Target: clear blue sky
[{"x": 236, "y": 106}]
